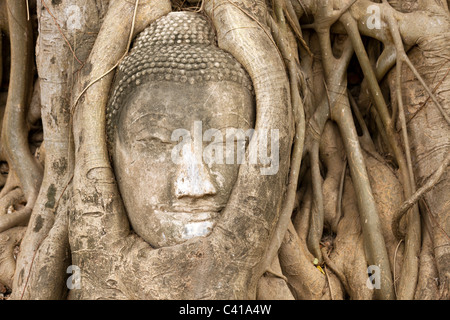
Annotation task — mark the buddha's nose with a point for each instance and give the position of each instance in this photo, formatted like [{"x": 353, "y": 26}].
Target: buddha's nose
[{"x": 192, "y": 179}]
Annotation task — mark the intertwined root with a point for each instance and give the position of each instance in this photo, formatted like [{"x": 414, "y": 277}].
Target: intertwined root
[
  {"x": 346, "y": 192},
  {"x": 9, "y": 243},
  {"x": 429, "y": 134},
  {"x": 405, "y": 274}
]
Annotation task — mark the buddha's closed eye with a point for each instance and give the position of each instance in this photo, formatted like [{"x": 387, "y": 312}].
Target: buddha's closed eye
[{"x": 154, "y": 140}]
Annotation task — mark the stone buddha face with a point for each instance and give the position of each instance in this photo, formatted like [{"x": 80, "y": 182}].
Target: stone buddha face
[{"x": 169, "y": 201}]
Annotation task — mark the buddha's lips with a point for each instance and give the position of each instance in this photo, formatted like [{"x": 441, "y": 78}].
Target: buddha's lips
[
  {"x": 196, "y": 210},
  {"x": 207, "y": 207},
  {"x": 191, "y": 215}
]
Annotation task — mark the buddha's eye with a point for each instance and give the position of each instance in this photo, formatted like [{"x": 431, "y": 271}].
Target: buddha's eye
[
  {"x": 149, "y": 139},
  {"x": 153, "y": 140}
]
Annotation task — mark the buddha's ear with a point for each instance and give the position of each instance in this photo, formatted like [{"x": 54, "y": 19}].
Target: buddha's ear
[{"x": 255, "y": 204}]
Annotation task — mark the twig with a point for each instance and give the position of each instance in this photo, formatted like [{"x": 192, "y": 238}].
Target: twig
[
  {"x": 202, "y": 6},
  {"x": 421, "y": 191},
  {"x": 62, "y": 33},
  {"x": 401, "y": 115},
  {"x": 395, "y": 259},
  {"x": 433, "y": 218},
  {"x": 28, "y": 11},
  {"x": 432, "y": 96},
  {"x": 336, "y": 271},
  {"x": 303, "y": 7},
  {"x": 341, "y": 191},
  {"x": 29, "y": 273},
  {"x": 428, "y": 98},
  {"x": 293, "y": 22}
]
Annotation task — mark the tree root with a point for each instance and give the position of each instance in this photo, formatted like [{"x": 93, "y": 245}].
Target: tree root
[
  {"x": 341, "y": 113},
  {"x": 9, "y": 240},
  {"x": 335, "y": 269},
  {"x": 55, "y": 70},
  {"x": 348, "y": 254},
  {"x": 364, "y": 213},
  {"x": 317, "y": 213},
  {"x": 345, "y": 259},
  {"x": 407, "y": 204},
  {"x": 305, "y": 280},
  {"x": 12, "y": 182},
  {"x": 12, "y": 198},
  {"x": 17, "y": 218},
  {"x": 289, "y": 51},
  {"x": 405, "y": 165},
  {"x": 14, "y": 131},
  {"x": 427, "y": 286},
  {"x": 273, "y": 285},
  {"x": 49, "y": 264},
  {"x": 331, "y": 152},
  {"x": 302, "y": 216},
  {"x": 25, "y": 170}
]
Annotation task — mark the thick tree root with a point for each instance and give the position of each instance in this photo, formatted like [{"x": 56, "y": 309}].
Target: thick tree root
[
  {"x": 14, "y": 131},
  {"x": 10, "y": 199},
  {"x": 273, "y": 285},
  {"x": 9, "y": 240},
  {"x": 342, "y": 223}
]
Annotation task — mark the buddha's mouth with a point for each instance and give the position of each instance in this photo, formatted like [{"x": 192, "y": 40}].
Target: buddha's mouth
[
  {"x": 193, "y": 213},
  {"x": 174, "y": 225},
  {"x": 194, "y": 223},
  {"x": 189, "y": 215},
  {"x": 210, "y": 207}
]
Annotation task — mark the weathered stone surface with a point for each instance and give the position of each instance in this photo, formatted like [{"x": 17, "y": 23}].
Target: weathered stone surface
[{"x": 175, "y": 78}]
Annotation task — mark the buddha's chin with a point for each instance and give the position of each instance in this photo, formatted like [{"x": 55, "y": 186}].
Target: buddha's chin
[
  {"x": 179, "y": 227},
  {"x": 175, "y": 234}
]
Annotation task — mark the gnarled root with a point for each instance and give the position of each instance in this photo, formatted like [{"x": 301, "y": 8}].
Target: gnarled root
[
  {"x": 331, "y": 151},
  {"x": 273, "y": 285},
  {"x": 9, "y": 241}
]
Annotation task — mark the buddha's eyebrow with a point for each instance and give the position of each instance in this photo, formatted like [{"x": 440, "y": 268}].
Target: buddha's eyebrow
[{"x": 146, "y": 115}]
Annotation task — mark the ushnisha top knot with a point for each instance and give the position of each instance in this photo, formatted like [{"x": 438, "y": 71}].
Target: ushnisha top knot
[
  {"x": 177, "y": 28},
  {"x": 179, "y": 47}
]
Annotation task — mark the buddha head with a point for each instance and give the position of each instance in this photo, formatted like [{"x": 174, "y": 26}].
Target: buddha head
[{"x": 174, "y": 80}]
